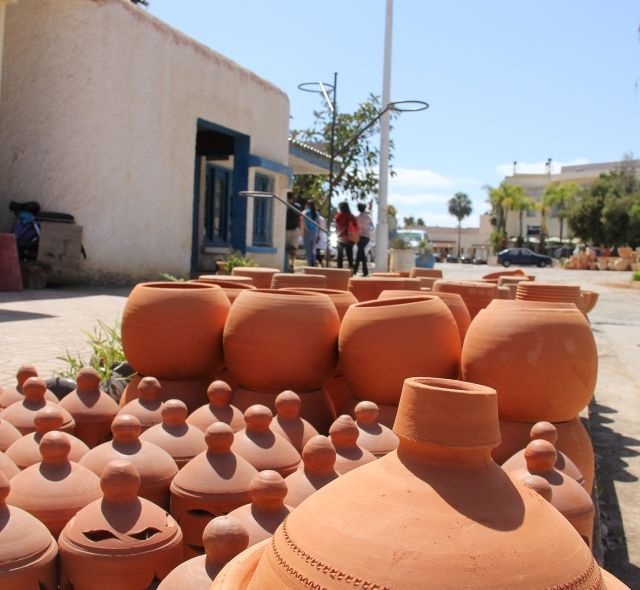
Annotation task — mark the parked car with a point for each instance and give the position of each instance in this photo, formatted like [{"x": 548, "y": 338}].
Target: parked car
[{"x": 522, "y": 257}]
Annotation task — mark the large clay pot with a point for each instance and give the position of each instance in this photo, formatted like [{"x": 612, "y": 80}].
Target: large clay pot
[
  {"x": 368, "y": 288},
  {"x": 430, "y": 273},
  {"x": 383, "y": 342},
  {"x": 541, "y": 359},
  {"x": 341, "y": 299},
  {"x": 191, "y": 392},
  {"x": 288, "y": 422},
  {"x": 219, "y": 279},
  {"x": 337, "y": 278},
  {"x": 453, "y": 497},
  {"x": 9, "y": 395},
  {"x": 276, "y": 340},
  {"x": 119, "y": 539},
  {"x": 344, "y": 435},
  {"x": 8, "y": 435},
  {"x": 261, "y": 275},
  {"x": 147, "y": 407},
  {"x": 552, "y": 292},
  {"x": 231, "y": 288},
  {"x": 288, "y": 280},
  {"x": 476, "y": 296},
  {"x": 376, "y": 438},
  {"x": 174, "y": 330},
  {"x": 218, "y": 409}
]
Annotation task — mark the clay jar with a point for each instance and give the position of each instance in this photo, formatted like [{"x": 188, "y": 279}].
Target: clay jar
[
  {"x": 516, "y": 272},
  {"x": 416, "y": 273},
  {"x": 192, "y": 392},
  {"x": 55, "y": 489},
  {"x": 173, "y": 330},
  {"x": 453, "y": 497},
  {"x": 27, "y": 549},
  {"x": 218, "y": 409},
  {"x": 120, "y": 540},
  {"x": 551, "y": 292},
  {"x": 288, "y": 423},
  {"x": 368, "y": 288},
  {"x": 26, "y": 450},
  {"x": 337, "y": 278},
  {"x": 568, "y": 496},
  {"x": 217, "y": 279},
  {"x": 340, "y": 299},
  {"x": 540, "y": 357},
  {"x": 231, "y": 288},
  {"x": 267, "y": 509},
  {"x": 181, "y": 440},
  {"x": 261, "y": 275},
  {"x": 475, "y": 295},
  {"x": 8, "y": 435},
  {"x": 7, "y": 466},
  {"x": 211, "y": 484},
  {"x": 287, "y": 280},
  {"x": 374, "y": 437},
  {"x": 590, "y": 298},
  {"x": 10, "y": 395},
  {"x": 318, "y": 458},
  {"x": 344, "y": 435},
  {"x": 22, "y": 414},
  {"x": 92, "y": 409},
  {"x": 223, "y": 538},
  {"x": 147, "y": 407},
  {"x": 262, "y": 447},
  {"x": 259, "y": 336},
  {"x": 383, "y": 342},
  {"x": 155, "y": 467}
]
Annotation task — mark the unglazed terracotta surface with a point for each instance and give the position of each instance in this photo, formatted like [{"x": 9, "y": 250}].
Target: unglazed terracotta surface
[
  {"x": 416, "y": 272},
  {"x": 368, "y": 288},
  {"x": 340, "y": 299},
  {"x": 191, "y": 392},
  {"x": 476, "y": 295},
  {"x": 337, "y": 278},
  {"x": 288, "y": 423},
  {"x": 516, "y": 272},
  {"x": 9, "y": 395},
  {"x": 219, "y": 409},
  {"x": 8, "y": 435},
  {"x": 7, "y": 466},
  {"x": 261, "y": 275},
  {"x": 375, "y": 437},
  {"x": 552, "y": 292},
  {"x": 147, "y": 407},
  {"x": 287, "y": 280},
  {"x": 344, "y": 435},
  {"x": 231, "y": 288}
]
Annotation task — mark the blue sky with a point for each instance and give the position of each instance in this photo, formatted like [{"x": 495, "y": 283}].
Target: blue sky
[{"x": 506, "y": 81}]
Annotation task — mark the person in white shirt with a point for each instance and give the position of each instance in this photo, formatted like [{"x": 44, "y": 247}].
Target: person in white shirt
[
  {"x": 365, "y": 225},
  {"x": 321, "y": 240}
]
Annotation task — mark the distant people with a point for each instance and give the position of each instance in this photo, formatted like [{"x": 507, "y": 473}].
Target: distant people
[
  {"x": 365, "y": 225},
  {"x": 321, "y": 241},
  {"x": 294, "y": 221},
  {"x": 310, "y": 230},
  {"x": 346, "y": 225}
]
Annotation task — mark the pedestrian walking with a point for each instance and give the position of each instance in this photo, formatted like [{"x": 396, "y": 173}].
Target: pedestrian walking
[{"x": 365, "y": 227}]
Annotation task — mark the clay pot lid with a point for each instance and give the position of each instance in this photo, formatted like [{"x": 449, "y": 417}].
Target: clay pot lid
[
  {"x": 223, "y": 538},
  {"x": 288, "y": 422},
  {"x": 120, "y": 523},
  {"x": 268, "y": 490},
  {"x": 288, "y": 405},
  {"x": 8, "y": 466},
  {"x": 219, "y": 408},
  {"x": 88, "y": 399},
  {"x": 8, "y": 434},
  {"x": 219, "y": 393},
  {"x": 10, "y": 395},
  {"x": 374, "y": 437},
  {"x": 147, "y": 407},
  {"x": 344, "y": 432},
  {"x": 319, "y": 456}
]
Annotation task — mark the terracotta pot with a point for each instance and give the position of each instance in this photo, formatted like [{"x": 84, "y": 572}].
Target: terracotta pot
[
  {"x": 452, "y": 496},
  {"x": 26, "y": 450},
  {"x": 219, "y": 279},
  {"x": 338, "y": 392},
  {"x": 262, "y": 447},
  {"x": 430, "y": 273},
  {"x": 267, "y": 509},
  {"x": 231, "y": 288},
  {"x": 337, "y": 278},
  {"x": 341, "y": 299},
  {"x": 259, "y": 338},
  {"x": 261, "y": 275},
  {"x": 505, "y": 281},
  {"x": 288, "y": 280},
  {"x": 22, "y": 414},
  {"x": 155, "y": 467},
  {"x": 427, "y": 282},
  {"x": 181, "y": 440},
  {"x": 551, "y": 292},
  {"x": 476, "y": 296},
  {"x": 56, "y": 488},
  {"x": 7, "y": 466},
  {"x": 590, "y": 298},
  {"x": 174, "y": 330},
  {"x": 212, "y": 484},
  {"x": 318, "y": 458},
  {"x": 92, "y": 409},
  {"x": 611, "y": 582},
  {"x": 374, "y": 437},
  {"x": 288, "y": 423},
  {"x": 368, "y": 288},
  {"x": 10, "y": 277},
  {"x": 10, "y": 395},
  {"x": 541, "y": 359},
  {"x": 504, "y": 293},
  {"x": 147, "y": 407},
  {"x": 218, "y": 409},
  {"x": 516, "y": 272},
  {"x": 119, "y": 537},
  {"x": 385, "y": 341},
  {"x": 27, "y": 550},
  {"x": 191, "y": 392},
  {"x": 8, "y": 435},
  {"x": 344, "y": 434}
]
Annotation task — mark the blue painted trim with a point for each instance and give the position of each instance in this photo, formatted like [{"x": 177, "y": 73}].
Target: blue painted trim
[
  {"x": 262, "y": 249},
  {"x": 196, "y": 216},
  {"x": 309, "y": 157},
  {"x": 260, "y": 162},
  {"x": 239, "y": 182}
]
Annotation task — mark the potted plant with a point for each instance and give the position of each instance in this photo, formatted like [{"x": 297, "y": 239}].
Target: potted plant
[
  {"x": 403, "y": 256},
  {"x": 424, "y": 255},
  {"x": 232, "y": 260}
]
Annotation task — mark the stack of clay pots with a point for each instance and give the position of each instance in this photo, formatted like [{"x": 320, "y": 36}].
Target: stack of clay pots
[
  {"x": 286, "y": 280},
  {"x": 261, "y": 275},
  {"x": 232, "y": 285},
  {"x": 551, "y": 292},
  {"x": 368, "y": 288}
]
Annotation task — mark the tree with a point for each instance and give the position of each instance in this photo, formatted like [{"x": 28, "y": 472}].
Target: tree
[
  {"x": 560, "y": 195},
  {"x": 409, "y": 221},
  {"x": 460, "y": 207},
  {"x": 521, "y": 202},
  {"x": 420, "y": 222}
]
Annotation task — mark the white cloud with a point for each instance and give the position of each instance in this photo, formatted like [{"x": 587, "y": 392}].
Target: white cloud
[
  {"x": 537, "y": 167},
  {"x": 399, "y": 199},
  {"x": 422, "y": 179}
]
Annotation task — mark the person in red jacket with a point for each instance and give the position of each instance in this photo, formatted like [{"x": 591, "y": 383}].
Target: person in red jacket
[{"x": 344, "y": 221}]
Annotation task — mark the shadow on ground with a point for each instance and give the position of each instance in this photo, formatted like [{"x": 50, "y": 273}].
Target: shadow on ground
[
  {"x": 9, "y": 315},
  {"x": 64, "y": 293}
]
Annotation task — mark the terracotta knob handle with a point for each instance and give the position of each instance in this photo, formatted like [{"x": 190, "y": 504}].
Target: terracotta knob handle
[
  {"x": 538, "y": 484},
  {"x": 174, "y": 412},
  {"x": 120, "y": 481},
  {"x": 267, "y": 488},
  {"x": 258, "y": 418},
  {"x": 319, "y": 455},
  {"x": 24, "y": 372},
  {"x": 149, "y": 388},
  {"x": 88, "y": 379},
  {"x": 219, "y": 393},
  {"x": 55, "y": 447},
  {"x": 544, "y": 431},
  {"x": 288, "y": 404},
  {"x": 223, "y": 538},
  {"x": 540, "y": 456},
  {"x": 344, "y": 431},
  {"x": 34, "y": 389},
  {"x": 125, "y": 427},
  {"x": 5, "y": 488},
  {"x": 219, "y": 437},
  {"x": 367, "y": 413},
  {"x": 47, "y": 419}
]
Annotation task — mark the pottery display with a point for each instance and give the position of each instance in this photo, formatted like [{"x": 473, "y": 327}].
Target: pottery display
[
  {"x": 147, "y": 407},
  {"x": 504, "y": 293},
  {"x": 56, "y": 488},
  {"x": 344, "y": 435},
  {"x": 476, "y": 295},
  {"x": 288, "y": 280},
  {"x": 261, "y": 275},
  {"x": 192, "y": 392},
  {"x": 430, "y": 273},
  {"x": 590, "y": 298},
  {"x": 374, "y": 437},
  {"x": 550, "y": 292},
  {"x": 515, "y": 272},
  {"x": 9, "y": 395},
  {"x": 337, "y": 278},
  {"x": 318, "y": 469},
  {"x": 341, "y": 299},
  {"x": 27, "y": 549},
  {"x": 120, "y": 537},
  {"x": 231, "y": 288},
  {"x": 7, "y": 466},
  {"x": 92, "y": 409},
  {"x": 181, "y": 440},
  {"x": 368, "y": 288},
  {"x": 154, "y": 466},
  {"x": 339, "y": 393},
  {"x": 22, "y": 414},
  {"x": 218, "y": 279},
  {"x": 173, "y": 330},
  {"x": 261, "y": 446},
  {"x": 267, "y": 509},
  {"x": 288, "y": 422},
  {"x": 212, "y": 484},
  {"x": 8, "y": 435},
  {"x": 218, "y": 409},
  {"x": 540, "y": 357},
  {"x": 506, "y": 281}
]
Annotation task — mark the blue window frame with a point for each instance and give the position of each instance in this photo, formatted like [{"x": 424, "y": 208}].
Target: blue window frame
[
  {"x": 263, "y": 211},
  {"x": 218, "y": 206}
]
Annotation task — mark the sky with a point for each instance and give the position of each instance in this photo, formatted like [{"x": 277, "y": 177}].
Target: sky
[{"x": 506, "y": 81}]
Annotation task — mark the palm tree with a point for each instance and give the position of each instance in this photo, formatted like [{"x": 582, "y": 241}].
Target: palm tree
[
  {"x": 560, "y": 196},
  {"x": 460, "y": 207},
  {"x": 522, "y": 202}
]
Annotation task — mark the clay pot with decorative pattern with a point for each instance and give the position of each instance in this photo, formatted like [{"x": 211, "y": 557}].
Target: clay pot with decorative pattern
[{"x": 219, "y": 409}]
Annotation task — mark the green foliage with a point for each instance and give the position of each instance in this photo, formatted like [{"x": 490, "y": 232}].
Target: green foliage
[
  {"x": 460, "y": 206},
  {"x": 409, "y": 221},
  {"x": 237, "y": 259},
  {"x": 636, "y": 276},
  {"x": 505, "y": 198},
  {"x": 399, "y": 244},
  {"x": 498, "y": 239},
  {"x": 171, "y": 278},
  {"x": 420, "y": 222}
]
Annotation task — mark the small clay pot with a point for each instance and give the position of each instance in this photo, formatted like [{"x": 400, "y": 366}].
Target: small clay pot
[
  {"x": 550, "y": 292},
  {"x": 7, "y": 466},
  {"x": 181, "y": 440},
  {"x": 590, "y": 298},
  {"x": 261, "y": 275},
  {"x": 10, "y": 395},
  {"x": 147, "y": 407},
  {"x": 318, "y": 458},
  {"x": 192, "y": 392},
  {"x": 417, "y": 273},
  {"x": 288, "y": 423},
  {"x": 8, "y": 435},
  {"x": 288, "y": 280},
  {"x": 340, "y": 299},
  {"x": 368, "y": 288},
  {"x": 344, "y": 436},
  {"x": 337, "y": 278},
  {"x": 231, "y": 288},
  {"x": 476, "y": 295},
  {"x": 218, "y": 409},
  {"x": 56, "y": 488},
  {"x": 92, "y": 409},
  {"x": 218, "y": 279},
  {"x": 515, "y": 272},
  {"x": 374, "y": 437}
]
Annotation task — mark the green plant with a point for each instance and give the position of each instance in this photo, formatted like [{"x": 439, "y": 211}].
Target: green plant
[
  {"x": 169, "y": 277},
  {"x": 636, "y": 276},
  {"x": 237, "y": 259}
]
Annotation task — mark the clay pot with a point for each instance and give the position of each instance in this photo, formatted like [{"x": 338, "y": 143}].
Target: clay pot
[
  {"x": 191, "y": 392},
  {"x": 10, "y": 276},
  {"x": 262, "y": 447},
  {"x": 374, "y": 437},
  {"x": 368, "y": 288},
  {"x": 337, "y": 278},
  {"x": 231, "y": 288},
  {"x": 452, "y": 496},
  {"x": 147, "y": 407},
  {"x": 385, "y": 341},
  {"x": 223, "y": 538},
  {"x": 22, "y": 414},
  {"x": 516, "y": 272},
  {"x": 259, "y": 338},
  {"x": 590, "y": 298},
  {"x": 10, "y": 395},
  {"x": 611, "y": 582},
  {"x": 181, "y": 440},
  {"x": 261, "y": 275},
  {"x": 541, "y": 359},
  {"x": 504, "y": 293},
  {"x": 568, "y": 496},
  {"x": 218, "y": 409},
  {"x": 92, "y": 409},
  {"x": 7, "y": 466},
  {"x": 119, "y": 539},
  {"x": 27, "y": 549},
  {"x": 155, "y": 467},
  {"x": 341, "y": 299},
  {"x": 344, "y": 435},
  {"x": 8, "y": 435},
  {"x": 507, "y": 281},
  {"x": 56, "y": 488},
  {"x": 551, "y": 292},
  {"x": 219, "y": 279},
  {"x": 288, "y": 423},
  {"x": 174, "y": 330},
  {"x": 267, "y": 509},
  {"x": 211, "y": 484},
  {"x": 318, "y": 458},
  {"x": 288, "y": 280},
  {"x": 431, "y": 273},
  {"x": 26, "y": 450},
  {"x": 339, "y": 393},
  {"x": 476, "y": 296}
]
